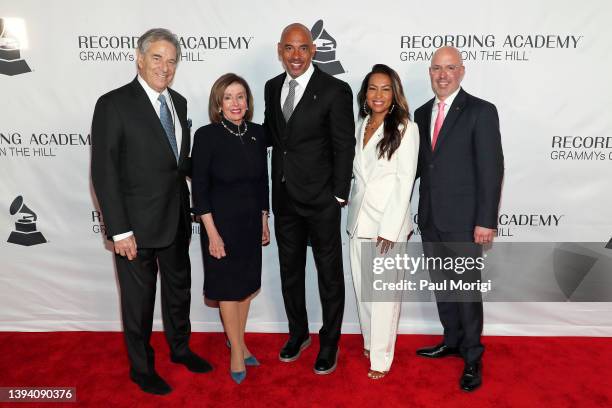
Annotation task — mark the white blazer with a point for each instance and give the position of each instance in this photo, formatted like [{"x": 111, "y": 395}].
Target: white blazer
[{"x": 379, "y": 204}]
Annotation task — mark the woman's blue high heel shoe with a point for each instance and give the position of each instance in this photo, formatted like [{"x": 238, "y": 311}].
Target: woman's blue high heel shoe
[
  {"x": 249, "y": 361},
  {"x": 238, "y": 376}
]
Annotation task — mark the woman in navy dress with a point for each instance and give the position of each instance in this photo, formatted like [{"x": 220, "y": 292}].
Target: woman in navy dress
[{"x": 230, "y": 192}]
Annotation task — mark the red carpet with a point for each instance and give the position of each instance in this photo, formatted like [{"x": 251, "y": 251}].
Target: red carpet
[{"x": 518, "y": 372}]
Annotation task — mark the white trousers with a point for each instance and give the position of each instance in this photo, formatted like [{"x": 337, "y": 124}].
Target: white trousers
[{"x": 379, "y": 320}]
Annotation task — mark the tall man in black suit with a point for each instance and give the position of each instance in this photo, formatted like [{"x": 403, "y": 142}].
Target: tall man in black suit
[
  {"x": 461, "y": 166},
  {"x": 140, "y": 149},
  {"x": 309, "y": 120}
]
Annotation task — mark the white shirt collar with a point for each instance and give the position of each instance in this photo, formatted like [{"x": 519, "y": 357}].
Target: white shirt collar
[
  {"x": 449, "y": 99},
  {"x": 302, "y": 79},
  {"x": 152, "y": 93}
]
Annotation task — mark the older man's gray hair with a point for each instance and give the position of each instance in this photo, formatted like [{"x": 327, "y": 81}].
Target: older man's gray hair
[{"x": 158, "y": 34}]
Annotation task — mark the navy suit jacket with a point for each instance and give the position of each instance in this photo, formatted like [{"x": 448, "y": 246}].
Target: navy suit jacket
[
  {"x": 138, "y": 182},
  {"x": 461, "y": 179},
  {"x": 314, "y": 151}
]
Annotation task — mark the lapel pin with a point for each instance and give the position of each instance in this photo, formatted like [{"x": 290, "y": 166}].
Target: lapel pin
[{"x": 314, "y": 97}]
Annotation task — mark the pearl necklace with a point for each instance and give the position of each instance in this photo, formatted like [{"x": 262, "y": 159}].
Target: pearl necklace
[{"x": 239, "y": 133}]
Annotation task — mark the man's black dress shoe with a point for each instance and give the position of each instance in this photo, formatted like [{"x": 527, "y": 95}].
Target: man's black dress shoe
[
  {"x": 472, "y": 377},
  {"x": 441, "y": 350},
  {"x": 192, "y": 361},
  {"x": 293, "y": 348},
  {"x": 327, "y": 360},
  {"x": 152, "y": 383}
]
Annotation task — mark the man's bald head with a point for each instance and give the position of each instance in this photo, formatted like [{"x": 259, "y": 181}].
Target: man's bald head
[
  {"x": 449, "y": 52},
  {"x": 446, "y": 71},
  {"x": 298, "y": 27},
  {"x": 296, "y": 49}
]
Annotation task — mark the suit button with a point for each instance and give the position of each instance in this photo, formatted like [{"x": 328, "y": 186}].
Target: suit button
[
  {"x": 285, "y": 152},
  {"x": 431, "y": 166}
]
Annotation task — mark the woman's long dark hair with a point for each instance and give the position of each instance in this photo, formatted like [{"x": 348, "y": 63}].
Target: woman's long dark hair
[{"x": 398, "y": 113}]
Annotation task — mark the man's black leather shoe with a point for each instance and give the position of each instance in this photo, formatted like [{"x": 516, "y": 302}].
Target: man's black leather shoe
[
  {"x": 192, "y": 361},
  {"x": 472, "y": 377},
  {"x": 327, "y": 360},
  {"x": 293, "y": 348},
  {"x": 441, "y": 350},
  {"x": 152, "y": 383}
]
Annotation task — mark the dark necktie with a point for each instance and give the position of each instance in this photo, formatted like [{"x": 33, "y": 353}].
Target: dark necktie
[
  {"x": 168, "y": 124},
  {"x": 288, "y": 105}
]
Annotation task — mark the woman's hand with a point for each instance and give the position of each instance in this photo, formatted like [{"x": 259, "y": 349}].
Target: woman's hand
[
  {"x": 384, "y": 244},
  {"x": 265, "y": 233},
  {"x": 216, "y": 247}
]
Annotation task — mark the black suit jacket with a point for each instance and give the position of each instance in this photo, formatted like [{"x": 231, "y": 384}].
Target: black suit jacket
[
  {"x": 139, "y": 185},
  {"x": 314, "y": 151},
  {"x": 461, "y": 179}
]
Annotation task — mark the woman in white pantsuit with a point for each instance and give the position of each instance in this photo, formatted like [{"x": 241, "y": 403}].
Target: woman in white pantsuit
[{"x": 379, "y": 207}]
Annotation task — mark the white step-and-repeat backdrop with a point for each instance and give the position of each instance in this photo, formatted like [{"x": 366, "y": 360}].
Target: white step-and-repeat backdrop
[{"x": 544, "y": 64}]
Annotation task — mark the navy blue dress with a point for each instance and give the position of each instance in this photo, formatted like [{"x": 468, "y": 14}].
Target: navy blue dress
[{"x": 230, "y": 181}]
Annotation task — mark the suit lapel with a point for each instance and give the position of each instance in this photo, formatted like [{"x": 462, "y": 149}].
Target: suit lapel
[
  {"x": 279, "y": 121},
  {"x": 358, "y": 147},
  {"x": 145, "y": 108},
  {"x": 310, "y": 94},
  {"x": 370, "y": 153},
  {"x": 365, "y": 157},
  {"x": 427, "y": 124},
  {"x": 453, "y": 114}
]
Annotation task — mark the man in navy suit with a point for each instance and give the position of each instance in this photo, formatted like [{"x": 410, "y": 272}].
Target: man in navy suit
[
  {"x": 461, "y": 167},
  {"x": 139, "y": 161},
  {"x": 309, "y": 120}
]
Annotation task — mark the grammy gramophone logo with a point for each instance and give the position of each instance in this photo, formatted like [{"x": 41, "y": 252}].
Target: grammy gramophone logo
[
  {"x": 25, "y": 232},
  {"x": 325, "y": 56},
  {"x": 12, "y": 39}
]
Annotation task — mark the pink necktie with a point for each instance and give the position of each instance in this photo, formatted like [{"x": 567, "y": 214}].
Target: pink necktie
[{"x": 438, "y": 125}]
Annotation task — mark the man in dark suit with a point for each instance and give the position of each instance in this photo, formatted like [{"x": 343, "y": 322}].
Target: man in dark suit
[
  {"x": 140, "y": 149},
  {"x": 309, "y": 121},
  {"x": 461, "y": 167}
]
